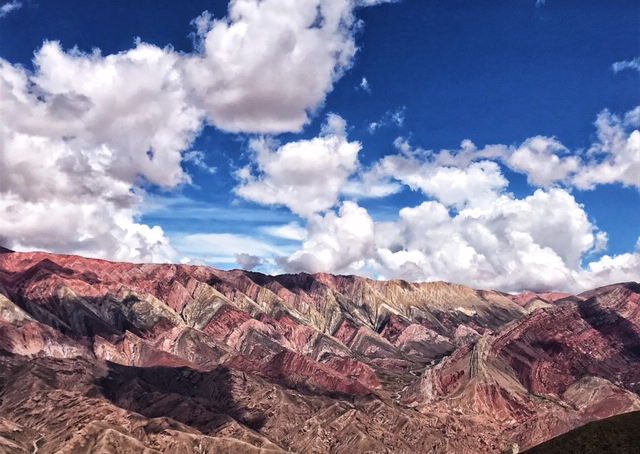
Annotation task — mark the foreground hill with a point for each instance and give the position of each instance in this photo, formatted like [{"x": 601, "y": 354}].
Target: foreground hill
[
  {"x": 617, "y": 434},
  {"x": 121, "y": 357}
]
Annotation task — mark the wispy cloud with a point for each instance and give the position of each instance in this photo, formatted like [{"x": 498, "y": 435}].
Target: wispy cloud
[
  {"x": 540, "y": 3},
  {"x": 198, "y": 159},
  {"x": 364, "y": 85},
  {"x": 290, "y": 231},
  {"x": 180, "y": 208},
  {"x": 633, "y": 64},
  {"x": 390, "y": 117},
  {"x": 224, "y": 248},
  {"x": 9, "y": 7}
]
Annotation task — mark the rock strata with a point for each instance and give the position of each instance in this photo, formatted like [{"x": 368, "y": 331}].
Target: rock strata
[{"x": 121, "y": 357}]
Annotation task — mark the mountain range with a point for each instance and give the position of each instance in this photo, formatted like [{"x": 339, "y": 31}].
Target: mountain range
[{"x": 99, "y": 356}]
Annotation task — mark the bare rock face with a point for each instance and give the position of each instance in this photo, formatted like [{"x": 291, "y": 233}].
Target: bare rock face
[
  {"x": 98, "y": 356},
  {"x": 553, "y": 369}
]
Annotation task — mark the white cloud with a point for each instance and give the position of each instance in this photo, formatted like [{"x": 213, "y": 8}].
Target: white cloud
[
  {"x": 81, "y": 132},
  {"x": 373, "y": 2},
  {"x": 492, "y": 239},
  {"x": 453, "y": 186},
  {"x": 511, "y": 244},
  {"x": 131, "y": 116},
  {"x": 364, "y": 85},
  {"x": 542, "y": 160},
  {"x": 223, "y": 248},
  {"x": 336, "y": 242},
  {"x": 633, "y": 64},
  {"x": 270, "y": 63},
  {"x": 291, "y": 231},
  {"x": 9, "y": 7},
  {"x": 236, "y": 77},
  {"x": 370, "y": 184},
  {"x": 397, "y": 117},
  {"x": 306, "y": 176},
  {"x": 472, "y": 231},
  {"x": 608, "y": 270},
  {"x": 96, "y": 228},
  {"x": 615, "y": 156},
  {"x": 74, "y": 148},
  {"x": 195, "y": 262}
]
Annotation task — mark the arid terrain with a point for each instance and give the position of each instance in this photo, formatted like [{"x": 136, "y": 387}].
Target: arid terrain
[{"x": 97, "y": 356}]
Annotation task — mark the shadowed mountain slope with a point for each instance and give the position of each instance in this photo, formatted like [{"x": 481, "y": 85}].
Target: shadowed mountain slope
[{"x": 617, "y": 434}]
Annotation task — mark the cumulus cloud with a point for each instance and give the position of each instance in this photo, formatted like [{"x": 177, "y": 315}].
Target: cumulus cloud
[
  {"x": 75, "y": 147},
  {"x": 9, "y": 7},
  {"x": 95, "y": 228},
  {"x": 82, "y": 132},
  {"x": 370, "y": 183},
  {"x": 306, "y": 176},
  {"x": 470, "y": 229},
  {"x": 510, "y": 244},
  {"x": 633, "y": 64},
  {"x": 613, "y": 158},
  {"x": 238, "y": 75},
  {"x": 608, "y": 270},
  {"x": 310, "y": 176},
  {"x": 480, "y": 182},
  {"x": 335, "y": 242},
  {"x": 542, "y": 160}
]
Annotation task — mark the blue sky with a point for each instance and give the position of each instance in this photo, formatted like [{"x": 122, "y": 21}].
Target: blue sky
[{"x": 494, "y": 144}]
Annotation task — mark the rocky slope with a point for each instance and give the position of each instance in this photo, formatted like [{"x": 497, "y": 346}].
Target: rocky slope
[{"x": 121, "y": 357}]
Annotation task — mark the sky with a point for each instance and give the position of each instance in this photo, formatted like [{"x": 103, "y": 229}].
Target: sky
[{"x": 490, "y": 143}]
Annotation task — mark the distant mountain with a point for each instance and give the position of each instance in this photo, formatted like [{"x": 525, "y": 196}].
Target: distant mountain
[{"x": 97, "y": 356}]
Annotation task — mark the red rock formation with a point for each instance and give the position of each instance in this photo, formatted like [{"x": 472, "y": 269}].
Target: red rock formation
[
  {"x": 554, "y": 369},
  {"x": 532, "y": 300},
  {"x": 176, "y": 358}
]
